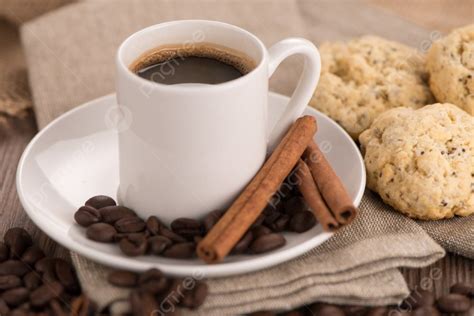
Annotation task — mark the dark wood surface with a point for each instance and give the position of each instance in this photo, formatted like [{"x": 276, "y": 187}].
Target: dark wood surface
[{"x": 15, "y": 133}]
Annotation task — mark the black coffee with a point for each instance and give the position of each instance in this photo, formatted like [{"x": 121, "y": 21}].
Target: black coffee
[{"x": 204, "y": 63}]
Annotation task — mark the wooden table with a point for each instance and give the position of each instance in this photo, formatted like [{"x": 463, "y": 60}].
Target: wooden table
[{"x": 15, "y": 133}]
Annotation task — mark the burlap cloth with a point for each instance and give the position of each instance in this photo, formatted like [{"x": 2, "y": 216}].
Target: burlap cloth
[{"x": 70, "y": 55}]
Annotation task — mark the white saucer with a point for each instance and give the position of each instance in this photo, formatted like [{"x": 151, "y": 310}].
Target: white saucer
[{"x": 75, "y": 157}]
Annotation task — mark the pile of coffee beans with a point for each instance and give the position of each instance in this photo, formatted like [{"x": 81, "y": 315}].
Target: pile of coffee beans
[
  {"x": 154, "y": 294},
  {"x": 33, "y": 284},
  {"x": 108, "y": 222},
  {"x": 419, "y": 303}
]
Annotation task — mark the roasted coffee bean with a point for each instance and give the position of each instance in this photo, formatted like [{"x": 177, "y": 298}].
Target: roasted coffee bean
[
  {"x": 260, "y": 230},
  {"x": 417, "y": 299},
  {"x": 100, "y": 201},
  {"x": 355, "y": 310},
  {"x": 45, "y": 293},
  {"x": 271, "y": 215},
  {"x": 32, "y": 254},
  {"x": 259, "y": 220},
  {"x": 82, "y": 306},
  {"x": 463, "y": 288},
  {"x": 87, "y": 215},
  {"x": 131, "y": 224},
  {"x": 45, "y": 264},
  {"x": 153, "y": 281},
  {"x": 32, "y": 280},
  {"x": 133, "y": 245},
  {"x": 186, "y": 227},
  {"x": 4, "y": 252},
  {"x": 19, "y": 312},
  {"x": 111, "y": 214},
  {"x": 9, "y": 282},
  {"x": 196, "y": 296},
  {"x": 294, "y": 205},
  {"x": 16, "y": 296},
  {"x": 181, "y": 250},
  {"x": 454, "y": 303},
  {"x": 153, "y": 225},
  {"x": 321, "y": 309},
  {"x": 123, "y": 278},
  {"x": 17, "y": 239},
  {"x": 13, "y": 267},
  {"x": 101, "y": 232},
  {"x": 281, "y": 223},
  {"x": 302, "y": 221},
  {"x": 143, "y": 303},
  {"x": 66, "y": 276},
  {"x": 158, "y": 244},
  {"x": 4, "y": 309},
  {"x": 378, "y": 311},
  {"x": 244, "y": 243},
  {"x": 211, "y": 219},
  {"x": 267, "y": 243},
  {"x": 171, "y": 235},
  {"x": 425, "y": 311},
  {"x": 56, "y": 308}
]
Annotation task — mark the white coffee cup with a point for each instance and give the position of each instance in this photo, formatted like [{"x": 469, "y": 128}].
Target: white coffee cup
[{"x": 186, "y": 150}]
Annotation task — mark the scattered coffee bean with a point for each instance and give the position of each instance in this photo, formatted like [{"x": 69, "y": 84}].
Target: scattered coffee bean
[
  {"x": 4, "y": 252},
  {"x": 87, "y": 215},
  {"x": 45, "y": 264},
  {"x": 378, "y": 311},
  {"x": 463, "y": 288},
  {"x": 122, "y": 278},
  {"x": 244, "y": 243},
  {"x": 32, "y": 280},
  {"x": 17, "y": 239},
  {"x": 100, "y": 201},
  {"x": 13, "y": 267},
  {"x": 131, "y": 224},
  {"x": 294, "y": 205},
  {"x": 32, "y": 254},
  {"x": 181, "y": 250},
  {"x": 143, "y": 303},
  {"x": 45, "y": 293},
  {"x": 186, "y": 227},
  {"x": 153, "y": 225},
  {"x": 211, "y": 219},
  {"x": 82, "y": 306},
  {"x": 56, "y": 308},
  {"x": 9, "y": 282},
  {"x": 153, "y": 280},
  {"x": 322, "y": 309},
  {"x": 267, "y": 243},
  {"x": 66, "y": 276},
  {"x": 172, "y": 235},
  {"x": 454, "y": 303},
  {"x": 15, "y": 297},
  {"x": 101, "y": 232},
  {"x": 111, "y": 214},
  {"x": 158, "y": 244},
  {"x": 133, "y": 245},
  {"x": 281, "y": 223},
  {"x": 302, "y": 221},
  {"x": 196, "y": 296},
  {"x": 260, "y": 230},
  {"x": 425, "y": 311},
  {"x": 271, "y": 215}
]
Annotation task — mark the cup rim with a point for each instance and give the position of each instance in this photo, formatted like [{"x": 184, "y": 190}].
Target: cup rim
[{"x": 193, "y": 88}]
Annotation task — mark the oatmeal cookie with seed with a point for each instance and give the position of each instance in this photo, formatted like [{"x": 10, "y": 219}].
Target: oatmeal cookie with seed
[
  {"x": 421, "y": 162},
  {"x": 366, "y": 77},
  {"x": 450, "y": 63}
]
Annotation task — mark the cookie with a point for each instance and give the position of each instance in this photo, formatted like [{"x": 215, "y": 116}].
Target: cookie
[
  {"x": 450, "y": 62},
  {"x": 421, "y": 162},
  {"x": 366, "y": 77}
]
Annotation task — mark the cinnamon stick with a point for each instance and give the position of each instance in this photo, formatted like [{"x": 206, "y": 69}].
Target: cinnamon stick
[
  {"x": 329, "y": 184},
  {"x": 311, "y": 194},
  {"x": 247, "y": 207}
]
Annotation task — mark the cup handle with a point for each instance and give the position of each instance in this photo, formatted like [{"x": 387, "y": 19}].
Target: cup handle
[{"x": 306, "y": 85}]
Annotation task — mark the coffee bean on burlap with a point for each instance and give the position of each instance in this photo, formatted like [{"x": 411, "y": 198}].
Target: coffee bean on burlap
[
  {"x": 143, "y": 303},
  {"x": 57, "y": 309},
  {"x": 9, "y": 282},
  {"x": 100, "y": 201},
  {"x": 123, "y": 278},
  {"x": 158, "y": 244},
  {"x": 267, "y": 243},
  {"x": 153, "y": 225},
  {"x": 32, "y": 280},
  {"x": 131, "y": 224},
  {"x": 181, "y": 250},
  {"x": 67, "y": 276},
  {"x": 322, "y": 309},
  {"x": 243, "y": 244},
  {"x": 355, "y": 310},
  {"x": 377, "y": 311},
  {"x": 302, "y": 221},
  {"x": 463, "y": 288},
  {"x": 82, "y": 306},
  {"x": 111, "y": 214},
  {"x": 425, "y": 311},
  {"x": 186, "y": 227},
  {"x": 153, "y": 281},
  {"x": 171, "y": 235},
  {"x": 87, "y": 215},
  {"x": 4, "y": 252},
  {"x": 17, "y": 239},
  {"x": 134, "y": 245},
  {"x": 32, "y": 254},
  {"x": 14, "y": 267},
  {"x": 195, "y": 297},
  {"x": 454, "y": 303},
  {"x": 211, "y": 219},
  {"x": 260, "y": 230},
  {"x": 281, "y": 223},
  {"x": 45, "y": 293},
  {"x": 4, "y": 309},
  {"x": 101, "y": 232},
  {"x": 417, "y": 299},
  {"x": 16, "y": 296},
  {"x": 294, "y": 205}
]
